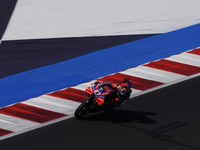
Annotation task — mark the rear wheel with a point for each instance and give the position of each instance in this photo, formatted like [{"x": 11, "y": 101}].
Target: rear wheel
[{"x": 82, "y": 109}]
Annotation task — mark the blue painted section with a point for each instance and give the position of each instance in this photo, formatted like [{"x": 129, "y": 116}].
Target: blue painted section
[{"x": 46, "y": 79}]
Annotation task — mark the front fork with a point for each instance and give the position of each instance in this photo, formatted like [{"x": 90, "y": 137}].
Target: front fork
[{"x": 94, "y": 107}]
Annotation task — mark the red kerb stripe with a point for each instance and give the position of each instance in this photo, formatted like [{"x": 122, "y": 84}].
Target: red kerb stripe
[
  {"x": 30, "y": 113},
  {"x": 71, "y": 94},
  {"x": 4, "y": 132},
  {"x": 195, "y": 51},
  {"x": 139, "y": 83},
  {"x": 175, "y": 67}
]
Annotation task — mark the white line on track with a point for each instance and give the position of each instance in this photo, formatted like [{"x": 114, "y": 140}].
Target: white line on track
[
  {"x": 153, "y": 74},
  {"x": 53, "y": 103},
  {"x": 15, "y": 124},
  {"x": 83, "y": 86},
  {"x": 186, "y": 58}
]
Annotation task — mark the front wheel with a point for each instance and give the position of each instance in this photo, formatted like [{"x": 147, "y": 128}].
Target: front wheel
[{"x": 82, "y": 109}]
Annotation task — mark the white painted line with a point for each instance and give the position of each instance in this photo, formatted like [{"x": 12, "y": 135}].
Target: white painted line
[
  {"x": 35, "y": 127},
  {"x": 153, "y": 74},
  {"x": 141, "y": 73},
  {"x": 186, "y": 58},
  {"x": 134, "y": 91},
  {"x": 191, "y": 56},
  {"x": 165, "y": 85},
  {"x": 83, "y": 86},
  {"x": 15, "y": 124},
  {"x": 53, "y": 103}
]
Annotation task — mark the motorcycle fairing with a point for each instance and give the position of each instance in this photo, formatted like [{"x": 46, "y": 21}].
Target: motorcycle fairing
[{"x": 100, "y": 92}]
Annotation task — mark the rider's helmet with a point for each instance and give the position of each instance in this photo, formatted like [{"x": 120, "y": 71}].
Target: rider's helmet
[{"x": 123, "y": 91}]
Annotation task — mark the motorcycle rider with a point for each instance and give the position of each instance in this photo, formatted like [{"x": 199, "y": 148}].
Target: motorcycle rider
[
  {"x": 118, "y": 94},
  {"x": 104, "y": 96}
]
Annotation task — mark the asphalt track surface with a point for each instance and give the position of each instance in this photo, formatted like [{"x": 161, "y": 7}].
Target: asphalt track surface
[
  {"x": 167, "y": 118},
  {"x": 21, "y": 55}
]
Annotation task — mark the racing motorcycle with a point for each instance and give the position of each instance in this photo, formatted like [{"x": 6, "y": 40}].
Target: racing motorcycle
[{"x": 100, "y": 98}]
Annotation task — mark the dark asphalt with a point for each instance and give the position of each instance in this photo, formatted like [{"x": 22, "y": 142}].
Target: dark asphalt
[
  {"x": 22, "y": 55},
  {"x": 166, "y": 119},
  {"x": 6, "y": 9}
]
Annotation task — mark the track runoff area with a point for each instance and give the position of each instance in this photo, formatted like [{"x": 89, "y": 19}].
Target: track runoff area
[{"x": 59, "y": 105}]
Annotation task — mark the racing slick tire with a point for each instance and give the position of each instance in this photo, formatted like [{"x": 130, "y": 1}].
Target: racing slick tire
[{"x": 82, "y": 109}]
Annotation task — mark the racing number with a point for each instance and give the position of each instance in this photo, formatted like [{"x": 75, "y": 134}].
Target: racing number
[{"x": 97, "y": 92}]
